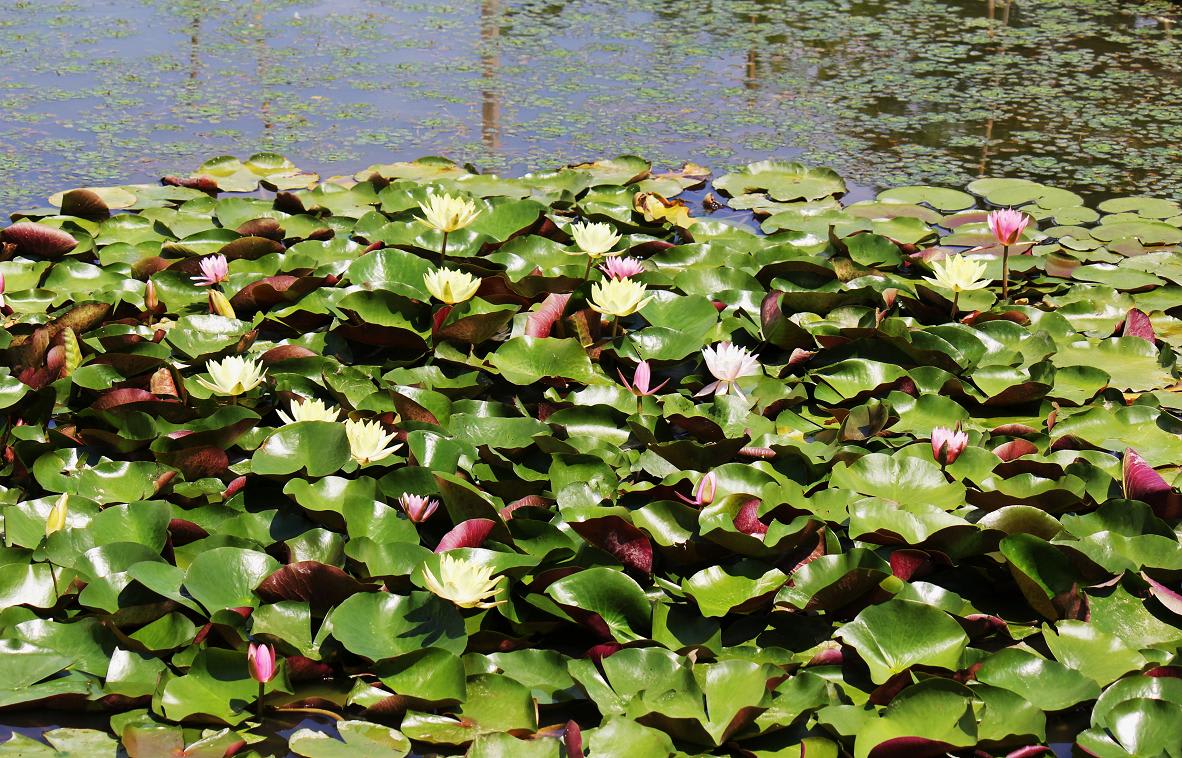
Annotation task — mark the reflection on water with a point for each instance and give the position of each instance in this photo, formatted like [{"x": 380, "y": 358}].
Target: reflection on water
[{"x": 1075, "y": 94}]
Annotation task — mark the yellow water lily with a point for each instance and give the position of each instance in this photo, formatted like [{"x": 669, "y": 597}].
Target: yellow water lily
[
  {"x": 619, "y": 297},
  {"x": 368, "y": 441},
  {"x": 310, "y": 409},
  {"x": 451, "y": 286},
  {"x": 465, "y": 583},
  {"x": 56, "y": 520},
  {"x": 232, "y": 376},
  {"x": 959, "y": 274},
  {"x": 448, "y": 213},
  {"x": 595, "y": 239}
]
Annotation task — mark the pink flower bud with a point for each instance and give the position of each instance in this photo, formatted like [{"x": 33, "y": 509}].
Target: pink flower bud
[
  {"x": 704, "y": 492},
  {"x": 260, "y": 659},
  {"x": 641, "y": 379},
  {"x": 417, "y": 507},
  {"x": 948, "y": 444}
]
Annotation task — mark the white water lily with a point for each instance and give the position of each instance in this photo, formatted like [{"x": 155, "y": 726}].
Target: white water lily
[
  {"x": 619, "y": 297},
  {"x": 448, "y": 213},
  {"x": 465, "y": 583},
  {"x": 233, "y": 375},
  {"x": 450, "y": 286},
  {"x": 368, "y": 441},
  {"x": 310, "y": 409},
  {"x": 595, "y": 239},
  {"x": 728, "y": 363}
]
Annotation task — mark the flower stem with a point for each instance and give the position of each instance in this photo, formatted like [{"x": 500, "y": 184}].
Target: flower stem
[
  {"x": 259, "y": 703},
  {"x": 443, "y": 249},
  {"x": 616, "y": 328},
  {"x": 1005, "y": 273},
  {"x": 955, "y": 303},
  {"x": 587, "y": 271},
  {"x": 57, "y": 594}
]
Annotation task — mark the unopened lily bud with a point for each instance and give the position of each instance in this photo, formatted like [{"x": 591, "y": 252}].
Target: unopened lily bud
[
  {"x": 151, "y": 300},
  {"x": 56, "y": 520},
  {"x": 219, "y": 305}
]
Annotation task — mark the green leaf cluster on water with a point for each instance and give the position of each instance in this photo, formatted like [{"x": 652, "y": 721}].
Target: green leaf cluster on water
[{"x": 836, "y": 591}]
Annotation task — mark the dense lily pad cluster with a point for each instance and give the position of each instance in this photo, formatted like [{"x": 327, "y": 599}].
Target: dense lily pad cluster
[{"x": 785, "y": 494}]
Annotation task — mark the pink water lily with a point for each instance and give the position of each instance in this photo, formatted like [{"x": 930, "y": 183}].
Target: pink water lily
[
  {"x": 622, "y": 268},
  {"x": 418, "y": 508},
  {"x": 641, "y": 379},
  {"x": 1007, "y": 225},
  {"x": 260, "y": 659},
  {"x": 948, "y": 444},
  {"x": 214, "y": 269},
  {"x": 728, "y": 363},
  {"x": 703, "y": 492}
]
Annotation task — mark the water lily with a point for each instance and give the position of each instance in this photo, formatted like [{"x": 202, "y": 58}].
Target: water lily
[
  {"x": 310, "y": 409},
  {"x": 56, "y": 520},
  {"x": 451, "y": 286},
  {"x": 704, "y": 491},
  {"x": 619, "y": 297},
  {"x": 1007, "y": 226},
  {"x": 447, "y": 214},
  {"x": 948, "y": 444},
  {"x": 261, "y": 661},
  {"x": 232, "y": 376},
  {"x": 368, "y": 441},
  {"x": 214, "y": 269},
  {"x": 728, "y": 363},
  {"x": 466, "y": 583},
  {"x": 641, "y": 379},
  {"x": 622, "y": 268},
  {"x": 418, "y": 508},
  {"x": 959, "y": 274},
  {"x": 594, "y": 239}
]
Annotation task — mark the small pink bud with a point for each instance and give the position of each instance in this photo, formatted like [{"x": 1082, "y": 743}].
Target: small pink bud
[
  {"x": 704, "y": 492},
  {"x": 948, "y": 444},
  {"x": 260, "y": 659},
  {"x": 417, "y": 507}
]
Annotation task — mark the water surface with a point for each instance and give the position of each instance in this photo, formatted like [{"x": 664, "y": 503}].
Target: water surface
[{"x": 1079, "y": 93}]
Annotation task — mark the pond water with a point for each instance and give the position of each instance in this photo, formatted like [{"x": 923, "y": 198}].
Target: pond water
[{"x": 1082, "y": 95}]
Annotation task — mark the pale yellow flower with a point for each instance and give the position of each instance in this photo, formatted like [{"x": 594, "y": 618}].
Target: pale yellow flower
[
  {"x": 310, "y": 409},
  {"x": 450, "y": 286},
  {"x": 465, "y": 583},
  {"x": 368, "y": 441},
  {"x": 619, "y": 297},
  {"x": 233, "y": 375},
  {"x": 447, "y": 213},
  {"x": 595, "y": 239},
  {"x": 959, "y": 274},
  {"x": 56, "y": 520}
]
